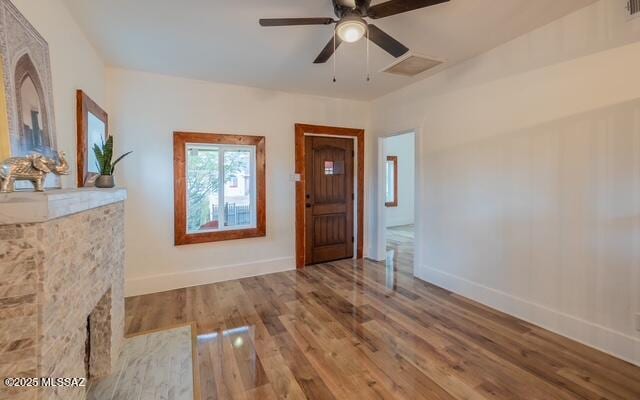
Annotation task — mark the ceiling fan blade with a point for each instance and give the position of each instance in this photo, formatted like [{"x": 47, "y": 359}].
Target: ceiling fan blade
[
  {"x": 327, "y": 52},
  {"x": 394, "y": 7},
  {"x": 386, "y": 42},
  {"x": 295, "y": 21},
  {"x": 363, "y": 6}
]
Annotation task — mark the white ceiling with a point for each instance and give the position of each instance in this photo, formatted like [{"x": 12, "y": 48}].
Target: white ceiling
[{"x": 221, "y": 41}]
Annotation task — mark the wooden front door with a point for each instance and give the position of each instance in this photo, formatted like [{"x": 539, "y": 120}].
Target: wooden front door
[{"x": 329, "y": 199}]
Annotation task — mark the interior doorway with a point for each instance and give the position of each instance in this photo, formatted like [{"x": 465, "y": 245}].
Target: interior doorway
[{"x": 398, "y": 213}]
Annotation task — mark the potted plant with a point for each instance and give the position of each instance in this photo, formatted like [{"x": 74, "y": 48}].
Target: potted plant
[{"x": 104, "y": 154}]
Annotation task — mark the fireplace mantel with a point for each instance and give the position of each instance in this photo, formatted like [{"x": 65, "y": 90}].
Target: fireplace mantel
[{"x": 32, "y": 207}]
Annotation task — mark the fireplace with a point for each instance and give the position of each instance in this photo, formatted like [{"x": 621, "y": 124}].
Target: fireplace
[{"x": 61, "y": 264}]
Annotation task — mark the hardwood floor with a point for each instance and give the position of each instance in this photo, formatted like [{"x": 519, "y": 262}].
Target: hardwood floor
[{"x": 367, "y": 330}]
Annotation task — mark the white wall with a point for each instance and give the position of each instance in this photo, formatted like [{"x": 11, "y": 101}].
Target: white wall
[
  {"x": 529, "y": 168},
  {"x": 75, "y": 64},
  {"x": 145, "y": 110},
  {"x": 402, "y": 146},
  {"x": 530, "y": 176}
]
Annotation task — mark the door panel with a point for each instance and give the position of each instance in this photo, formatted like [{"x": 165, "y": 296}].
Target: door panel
[
  {"x": 329, "y": 198},
  {"x": 329, "y": 229}
]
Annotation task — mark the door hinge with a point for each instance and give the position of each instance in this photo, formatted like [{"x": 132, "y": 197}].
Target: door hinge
[
  {"x": 353, "y": 196},
  {"x": 353, "y": 153},
  {"x": 352, "y": 239}
]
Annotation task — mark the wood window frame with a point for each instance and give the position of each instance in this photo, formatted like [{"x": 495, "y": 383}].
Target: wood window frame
[
  {"x": 180, "y": 141},
  {"x": 300, "y": 165},
  {"x": 394, "y": 203},
  {"x": 84, "y": 106}
]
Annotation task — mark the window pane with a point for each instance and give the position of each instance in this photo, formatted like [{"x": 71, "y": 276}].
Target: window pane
[
  {"x": 390, "y": 196},
  {"x": 202, "y": 188},
  {"x": 328, "y": 167},
  {"x": 239, "y": 207},
  {"x": 334, "y": 167}
]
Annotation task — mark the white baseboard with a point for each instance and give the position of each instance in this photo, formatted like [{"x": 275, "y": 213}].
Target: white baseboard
[
  {"x": 591, "y": 334},
  {"x": 164, "y": 282},
  {"x": 401, "y": 222}
]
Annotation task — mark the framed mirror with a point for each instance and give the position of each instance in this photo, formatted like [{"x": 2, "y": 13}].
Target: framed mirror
[
  {"x": 391, "y": 189},
  {"x": 92, "y": 128}
]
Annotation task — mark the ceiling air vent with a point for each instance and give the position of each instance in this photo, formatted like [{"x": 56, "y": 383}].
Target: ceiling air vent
[
  {"x": 413, "y": 65},
  {"x": 633, "y": 6}
]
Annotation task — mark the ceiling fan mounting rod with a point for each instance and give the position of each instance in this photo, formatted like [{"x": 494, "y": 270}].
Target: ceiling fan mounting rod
[{"x": 335, "y": 56}]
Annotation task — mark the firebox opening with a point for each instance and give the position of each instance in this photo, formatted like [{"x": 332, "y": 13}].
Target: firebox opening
[{"x": 87, "y": 349}]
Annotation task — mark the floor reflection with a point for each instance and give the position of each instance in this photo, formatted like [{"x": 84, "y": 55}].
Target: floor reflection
[
  {"x": 390, "y": 279},
  {"x": 399, "y": 257},
  {"x": 233, "y": 359}
]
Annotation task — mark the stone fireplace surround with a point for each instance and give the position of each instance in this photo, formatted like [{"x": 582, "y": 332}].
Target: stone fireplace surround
[{"x": 61, "y": 269}]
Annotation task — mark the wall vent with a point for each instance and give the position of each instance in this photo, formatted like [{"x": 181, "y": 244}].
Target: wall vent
[
  {"x": 413, "y": 65},
  {"x": 633, "y": 6}
]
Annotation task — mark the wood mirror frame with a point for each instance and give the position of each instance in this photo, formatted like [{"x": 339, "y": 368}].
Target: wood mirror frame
[
  {"x": 394, "y": 161},
  {"x": 84, "y": 106}
]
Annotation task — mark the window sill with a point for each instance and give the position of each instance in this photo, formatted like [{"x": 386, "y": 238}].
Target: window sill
[{"x": 220, "y": 236}]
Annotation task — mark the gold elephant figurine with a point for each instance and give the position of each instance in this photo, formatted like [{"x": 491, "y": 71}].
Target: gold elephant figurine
[{"x": 34, "y": 168}]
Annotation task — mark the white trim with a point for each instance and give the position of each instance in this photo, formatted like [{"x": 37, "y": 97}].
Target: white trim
[
  {"x": 591, "y": 334},
  {"x": 399, "y": 222},
  {"x": 178, "y": 280},
  {"x": 380, "y": 252}
]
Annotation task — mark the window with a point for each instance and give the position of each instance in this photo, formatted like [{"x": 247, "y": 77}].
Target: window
[
  {"x": 334, "y": 167},
  {"x": 391, "y": 196},
  {"x": 219, "y": 187}
]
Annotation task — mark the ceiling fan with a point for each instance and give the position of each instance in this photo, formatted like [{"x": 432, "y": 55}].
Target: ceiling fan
[{"x": 351, "y": 25}]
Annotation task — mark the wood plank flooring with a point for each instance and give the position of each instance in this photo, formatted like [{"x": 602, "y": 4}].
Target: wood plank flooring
[{"x": 367, "y": 330}]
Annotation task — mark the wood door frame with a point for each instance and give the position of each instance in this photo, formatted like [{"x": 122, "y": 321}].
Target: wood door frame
[
  {"x": 300, "y": 131},
  {"x": 394, "y": 203}
]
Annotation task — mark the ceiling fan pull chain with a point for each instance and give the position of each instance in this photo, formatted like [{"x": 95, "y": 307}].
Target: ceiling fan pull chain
[
  {"x": 368, "y": 68},
  {"x": 334, "y": 55}
]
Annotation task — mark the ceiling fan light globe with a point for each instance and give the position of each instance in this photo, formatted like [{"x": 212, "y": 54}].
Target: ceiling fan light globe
[{"x": 351, "y": 30}]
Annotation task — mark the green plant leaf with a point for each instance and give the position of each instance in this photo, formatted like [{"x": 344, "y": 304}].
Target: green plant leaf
[
  {"x": 113, "y": 166},
  {"x": 107, "y": 150},
  {"x": 104, "y": 154},
  {"x": 97, "y": 150}
]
